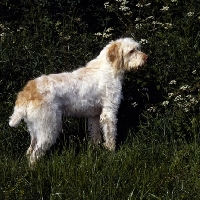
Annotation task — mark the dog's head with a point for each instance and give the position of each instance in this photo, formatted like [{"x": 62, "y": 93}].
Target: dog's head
[{"x": 125, "y": 55}]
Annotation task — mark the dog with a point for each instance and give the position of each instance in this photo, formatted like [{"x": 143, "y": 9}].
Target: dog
[{"x": 93, "y": 91}]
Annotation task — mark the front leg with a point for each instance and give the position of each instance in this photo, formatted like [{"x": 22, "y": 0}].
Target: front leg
[{"x": 108, "y": 123}]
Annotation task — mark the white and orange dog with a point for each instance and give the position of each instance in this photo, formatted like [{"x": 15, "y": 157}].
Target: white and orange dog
[{"x": 93, "y": 91}]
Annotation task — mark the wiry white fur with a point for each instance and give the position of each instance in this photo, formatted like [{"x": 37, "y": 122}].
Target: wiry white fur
[{"x": 93, "y": 91}]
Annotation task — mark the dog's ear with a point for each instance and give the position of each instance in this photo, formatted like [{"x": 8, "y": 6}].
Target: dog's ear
[{"x": 115, "y": 56}]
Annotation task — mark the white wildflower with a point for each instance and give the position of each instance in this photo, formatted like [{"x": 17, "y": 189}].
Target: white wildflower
[
  {"x": 194, "y": 71},
  {"x": 2, "y": 36},
  {"x": 25, "y": 47},
  {"x": 20, "y": 28},
  {"x": 98, "y": 34},
  {"x": 151, "y": 109},
  {"x": 150, "y": 17},
  {"x": 109, "y": 29},
  {"x": 134, "y": 104},
  {"x": 172, "y": 82},
  {"x": 185, "y": 87},
  {"x": 139, "y": 5},
  {"x": 143, "y": 41},
  {"x": 190, "y": 14},
  {"x": 165, "y": 103},
  {"x": 189, "y": 96},
  {"x": 155, "y": 22},
  {"x": 138, "y": 26},
  {"x": 164, "y": 8},
  {"x": 67, "y": 37},
  {"x": 106, "y": 35},
  {"x": 106, "y": 5},
  {"x": 2, "y": 26},
  {"x": 137, "y": 19},
  {"x": 167, "y": 25},
  {"x": 178, "y": 98},
  {"x": 194, "y": 101},
  {"x": 174, "y": 1},
  {"x": 124, "y": 8},
  {"x": 148, "y": 4},
  {"x": 170, "y": 95},
  {"x": 128, "y": 13}
]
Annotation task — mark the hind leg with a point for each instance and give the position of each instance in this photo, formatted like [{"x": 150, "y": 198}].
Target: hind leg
[
  {"x": 42, "y": 145},
  {"x": 45, "y": 139},
  {"x": 33, "y": 138},
  {"x": 94, "y": 129},
  {"x": 44, "y": 131},
  {"x": 32, "y": 146}
]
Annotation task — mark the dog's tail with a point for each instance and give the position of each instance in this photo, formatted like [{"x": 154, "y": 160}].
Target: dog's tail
[
  {"x": 16, "y": 117},
  {"x": 28, "y": 96},
  {"x": 20, "y": 108}
]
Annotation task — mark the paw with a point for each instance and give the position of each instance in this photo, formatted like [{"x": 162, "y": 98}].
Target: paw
[{"x": 109, "y": 146}]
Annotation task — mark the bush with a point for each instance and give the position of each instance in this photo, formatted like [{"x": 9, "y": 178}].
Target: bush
[{"x": 158, "y": 129}]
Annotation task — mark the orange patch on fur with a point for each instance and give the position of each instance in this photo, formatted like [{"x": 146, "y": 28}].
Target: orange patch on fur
[
  {"x": 114, "y": 56},
  {"x": 29, "y": 93},
  {"x": 113, "y": 52}
]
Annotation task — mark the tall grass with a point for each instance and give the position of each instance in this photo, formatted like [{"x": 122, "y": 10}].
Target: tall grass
[
  {"x": 163, "y": 169},
  {"x": 158, "y": 150}
]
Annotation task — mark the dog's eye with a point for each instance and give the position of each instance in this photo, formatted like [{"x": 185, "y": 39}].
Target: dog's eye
[{"x": 132, "y": 51}]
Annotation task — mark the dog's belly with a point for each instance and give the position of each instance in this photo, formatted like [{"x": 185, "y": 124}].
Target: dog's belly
[{"x": 83, "y": 108}]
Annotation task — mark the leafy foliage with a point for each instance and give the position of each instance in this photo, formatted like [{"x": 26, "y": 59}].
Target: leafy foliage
[{"x": 159, "y": 120}]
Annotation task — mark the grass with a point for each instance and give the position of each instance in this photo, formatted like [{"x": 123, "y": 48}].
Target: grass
[
  {"x": 157, "y": 169},
  {"x": 160, "y": 156},
  {"x": 153, "y": 163}
]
